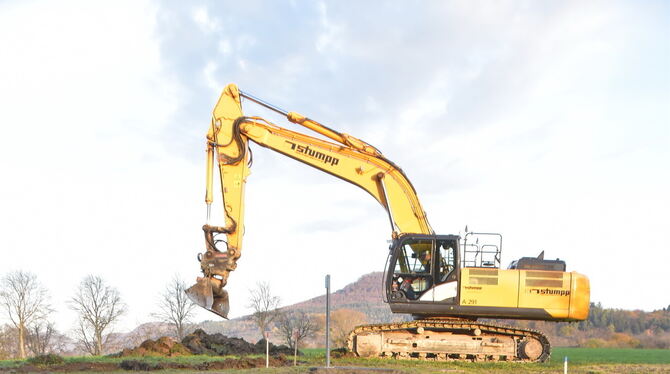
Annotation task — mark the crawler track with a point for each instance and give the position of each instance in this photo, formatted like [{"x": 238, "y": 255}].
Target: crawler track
[{"x": 449, "y": 340}]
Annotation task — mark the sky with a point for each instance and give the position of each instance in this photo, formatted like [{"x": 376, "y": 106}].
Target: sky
[{"x": 545, "y": 121}]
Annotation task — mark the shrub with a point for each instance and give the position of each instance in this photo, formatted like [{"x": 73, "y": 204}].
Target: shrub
[
  {"x": 622, "y": 340},
  {"x": 594, "y": 343},
  {"x": 46, "y": 360}
]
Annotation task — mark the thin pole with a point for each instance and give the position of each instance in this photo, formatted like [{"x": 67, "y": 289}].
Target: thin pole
[
  {"x": 267, "y": 349},
  {"x": 565, "y": 365},
  {"x": 295, "y": 342},
  {"x": 328, "y": 320}
]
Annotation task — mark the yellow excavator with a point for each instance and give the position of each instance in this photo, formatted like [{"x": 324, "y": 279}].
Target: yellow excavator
[{"x": 446, "y": 282}]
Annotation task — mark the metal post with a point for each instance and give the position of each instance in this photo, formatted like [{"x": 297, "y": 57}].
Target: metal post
[
  {"x": 328, "y": 320},
  {"x": 267, "y": 349},
  {"x": 565, "y": 365}
]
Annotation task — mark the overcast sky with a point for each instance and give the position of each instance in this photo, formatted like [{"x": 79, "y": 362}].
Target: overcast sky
[{"x": 546, "y": 121}]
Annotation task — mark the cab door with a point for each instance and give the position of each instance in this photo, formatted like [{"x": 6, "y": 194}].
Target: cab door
[{"x": 446, "y": 269}]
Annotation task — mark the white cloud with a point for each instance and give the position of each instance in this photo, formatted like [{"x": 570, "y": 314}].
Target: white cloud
[
  {"x": 242, "y": 64},
  {"x": 244, "y": 42},
  {"x": 209, "y": 76},
  {"x": 225, "y": 48},
  {"x": 204, "y": 21},
  {"x": 327, "y": 39}
]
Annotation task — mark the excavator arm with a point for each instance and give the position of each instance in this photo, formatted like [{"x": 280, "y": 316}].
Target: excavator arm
[{"x": 345, "y": 157}]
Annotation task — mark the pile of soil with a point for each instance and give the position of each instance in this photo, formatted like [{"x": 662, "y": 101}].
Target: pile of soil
[
  {"x": 165, "y": 347},
  {"x": 199, "y": 342}
]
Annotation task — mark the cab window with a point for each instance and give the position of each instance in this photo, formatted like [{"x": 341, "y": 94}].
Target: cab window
[
  {"x": 446, "y": 259},
  {"x": 412, "y": 269}
]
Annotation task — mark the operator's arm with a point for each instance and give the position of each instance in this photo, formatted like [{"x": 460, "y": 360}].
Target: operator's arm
[{"x": 351, "y": 160}]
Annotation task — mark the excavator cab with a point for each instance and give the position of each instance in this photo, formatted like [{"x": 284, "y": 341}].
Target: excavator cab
[{"x": 422, "y": 269}]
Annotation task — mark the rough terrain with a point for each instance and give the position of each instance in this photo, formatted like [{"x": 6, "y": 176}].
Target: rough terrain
[{"x": 199, "y": 342}]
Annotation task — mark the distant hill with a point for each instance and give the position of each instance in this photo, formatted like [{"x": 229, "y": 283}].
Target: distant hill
[{"x": 364, "y": 295}]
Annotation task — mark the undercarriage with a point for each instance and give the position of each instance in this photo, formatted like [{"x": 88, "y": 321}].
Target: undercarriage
[{"x": 449, "y": 340}]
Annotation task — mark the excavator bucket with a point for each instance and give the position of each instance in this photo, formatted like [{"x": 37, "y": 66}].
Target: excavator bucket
[{"x": 203, "y": 294}]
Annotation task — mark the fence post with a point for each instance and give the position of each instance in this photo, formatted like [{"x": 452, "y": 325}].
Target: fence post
[
  {"x": 267, "y": 348},
  {"x": 328, "y": 320}
]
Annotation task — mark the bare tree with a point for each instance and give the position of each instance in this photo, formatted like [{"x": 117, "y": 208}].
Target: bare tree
[
  {"x": 44, "y": 338},
  {"x": 264, "y": 305},
  {"x": 295, "y": 326},
  {"x": 8, "y": 338},
  {"x": 99, "y": 306},
  {"x": 26, "y": 301},
  {"x": 342, "y": 322},
  {"x": 40, "y": 338},
  {"x": 175, "y": 307}
]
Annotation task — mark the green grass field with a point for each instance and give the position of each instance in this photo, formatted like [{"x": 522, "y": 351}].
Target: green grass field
[
  {"x": 611, "y": 356},
  {"x": 581, "y": 361},
  {"x": 582, "y": 355}
]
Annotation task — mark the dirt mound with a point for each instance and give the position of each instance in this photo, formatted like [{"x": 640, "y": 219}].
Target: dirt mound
[
  {"x": 199, "y": 342},
  {"x": 242, "y": 363},
  {"x": 138, "y": 365},
  {"x": 165, "y": 346}
]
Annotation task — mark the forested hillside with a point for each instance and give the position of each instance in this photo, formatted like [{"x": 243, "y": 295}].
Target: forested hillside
[
  {"x": 628, "y": 321},
  {"x": 608, "y": 327},
  {"x": 620, "y": 328}
]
